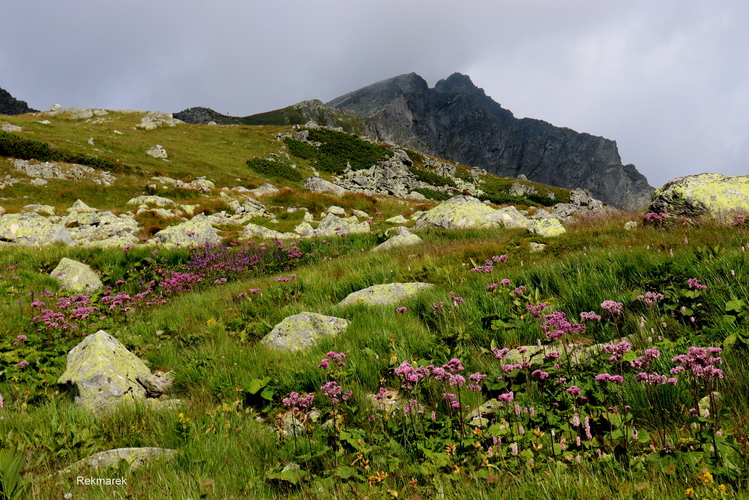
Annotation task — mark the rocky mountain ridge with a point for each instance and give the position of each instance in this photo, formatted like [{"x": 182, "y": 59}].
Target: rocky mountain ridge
[
  {"x": 457, "y": 121},
  {"x": 9, "y": 105}
]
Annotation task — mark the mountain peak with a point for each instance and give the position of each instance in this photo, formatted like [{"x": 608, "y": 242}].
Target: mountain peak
[{"x": 457, "y": 82}]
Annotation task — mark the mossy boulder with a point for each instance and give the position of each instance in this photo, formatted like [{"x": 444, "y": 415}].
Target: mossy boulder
[
  {"x": 135, "y": 457},
  {"x": 102, "y": 373},
  {"x": 76, "y": 276},
  {"x": 390, "y": 293},
  {"x": 704, "y": 195},
  {"x": 256, "y": 231},
  {"x": 303, "y": 330},
  {"x": 333, "y": 226},
  {"x": 195, "y": 232},
  {"x": 32, "y": 229},
  {"x": 404, "y": 238},
  {"x": 546, "y": 227},
  {"x": 460, "y": 212}
]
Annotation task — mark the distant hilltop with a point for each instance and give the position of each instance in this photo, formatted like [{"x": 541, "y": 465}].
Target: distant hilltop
[
  {"x": 9, "y": 105},
  {"x": 456, "y": 120}
]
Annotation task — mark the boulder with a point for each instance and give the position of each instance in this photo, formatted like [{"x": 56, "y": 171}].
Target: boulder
[
  {"x": 320, "y": 185},
  {"x": 705, "y": 195},
  {"x": 81, "y": 208},
  {"x": 398, "y": 219},
  {"x": 103, "y": 229},
  {"x": 9, "y": 127},
  {"x": 404, "y": 238},
  {"x": 257, "y": 231},
  {"x": 336, "y": 210},
  {"x": 512, "y": 218},
  {"x": 195, "y": 232},
  {"x": 39, "y": 209},
  {"x": 333, "y": 226},
  {"x": 102, "y": 373},
  {"x": 135, "y": 457},
  {"x": 264, "y": 189},
  {"x": 546, "y": 227},
  {"x": 303, "y": 330},
  {"x": 158, "y": 151},
  {"x": 151, "y": 200},
  {"x": 32, "y": 229},
  {"x": 76, "y": 276},
  {"x": 390, "y": 293},
  {"x": 304, "y": 229},
  {"x": 460, "y": 212}
]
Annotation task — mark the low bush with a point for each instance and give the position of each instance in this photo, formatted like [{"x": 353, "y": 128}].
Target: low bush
[{"x": 274, "y": 168}]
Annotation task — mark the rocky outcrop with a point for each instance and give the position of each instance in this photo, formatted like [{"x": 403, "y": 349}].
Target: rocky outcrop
[
  {"x": 102, "y": 373},
  {"x": 704, "y": 195},
  {"x": 403, "y": 238},
  {"x": 320, "y": 185},
  {"x": 9, "y": 105},
  {"x": 197, "y": 231},
  {"x": 76, "y": 276},
  {"x": 332, "y": 225},
  {"x": 460, "y": 212},
  {"x": 303, "y": 330},
  {"x": 390, "y": 293},
  {"x": 134, "y": 457},
  {"x": 458, "y": 121},
  {"x": 32, "y": 229}
]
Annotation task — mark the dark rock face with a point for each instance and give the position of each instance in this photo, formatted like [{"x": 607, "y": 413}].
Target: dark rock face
[
  {"x": 204, "y": 115},
  {"x": 458, "y": 121},
  {"x": 9, "y": 105}
]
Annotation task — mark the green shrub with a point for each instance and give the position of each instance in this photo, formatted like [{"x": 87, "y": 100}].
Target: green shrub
[
  {"x": 433, "y": 194},
  {"x": 274, "y": 168},
  {"x": 339, "y": 148},
  {"x": 28, "y": 149},
  {"x": 302, "y": 149},
  {"x": 431, "y": 178}
]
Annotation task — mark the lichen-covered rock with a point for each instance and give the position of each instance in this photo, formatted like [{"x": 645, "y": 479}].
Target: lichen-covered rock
[
  {"x": 336, "y": 210},
  {"x": 320, "y": 185},
  {"x": 460, "y": 212},
  {"x": 81, "y": 208},
  {"x": 32, "y": 229},
  {"x": 546, "y": 227},
  {"x": 39, "y": 209},
  {"x": 257, "y": 231},
  {"x": 158, "y": 151},
  {"x": 512, "y": 218},
  {"x": 304, "y": 330},
  {"x": 158, "y": 201},
  {"x": 332, "y": 226},
  {"x": 704, "y": 195},
  {"x": 135, "y": 457},
  {"x": 76, "y": 276},
  {"x": 398, "y": 219},
  {"x": 403, "y": 238},
  {"x": 103, "y": 229},
  {"x": 304, "y": 229},
  {"x": 264, "y": 189},
  {"x": 195, "y": 232},
  {"x": 101, "y": 372},
  {"x": 390, "y": 293}
]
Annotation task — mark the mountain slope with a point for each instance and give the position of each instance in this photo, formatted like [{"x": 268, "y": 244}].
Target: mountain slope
[{"x": 457, "y": 120}]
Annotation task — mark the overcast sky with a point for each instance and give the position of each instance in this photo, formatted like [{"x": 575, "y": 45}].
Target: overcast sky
[{"x": 668, "y": 80}]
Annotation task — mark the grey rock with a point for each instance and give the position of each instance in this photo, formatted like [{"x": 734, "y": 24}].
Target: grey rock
[
  {"x": 460, "y": 212},
  {"x": 264, "y": 189},
  {"x": 9, "y": 127},
  {"x": 195, "y": 232},
  {"x": 257, "y": 231},
  {"x": 713, "y": 196},
  {"x": 158, "y": 151},
  {"x": 101, "y": 373},
  {"x": 151, "y": 200},
  {"x": 320, "y": 185},
  {"x": 32, "y": 229},
  {"x": 404, "y": 238},
  {"x": 134, "y": 457},
  {"x": 39, "y": 209},
  {"x": 304, "y": 330},
  {"x": 332, "y": 226},
  {"x": 390, "y": 293},
  {"x": 77, "y": 276}
]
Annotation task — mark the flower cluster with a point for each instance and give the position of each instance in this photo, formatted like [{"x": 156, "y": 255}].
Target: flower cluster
[
  {"x": 488, "y": 266},
  {"x": 650, "y": 298},
  {"x": 655, "y": 217},
  {"x": 700, "y": 361},
  {"x": 694, "y": 284},
  {"x": 617, "y": 351},
  {"x": 297, "y": 402},
  {"x": 611, "y": 308},
  {"x": 556, "y": 325}
]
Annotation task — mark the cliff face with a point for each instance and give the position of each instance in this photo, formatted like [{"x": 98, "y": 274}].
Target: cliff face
[
  {"x": 458, "y": 121},
  {"x": 9, "y": 105}
]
